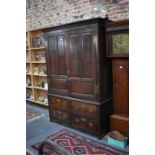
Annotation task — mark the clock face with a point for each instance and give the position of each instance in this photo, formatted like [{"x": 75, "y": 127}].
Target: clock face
[{"x": 120, "y": 43}]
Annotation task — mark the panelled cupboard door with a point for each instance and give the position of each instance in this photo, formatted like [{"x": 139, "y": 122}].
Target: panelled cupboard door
[
  {"x": 82, "y": 62},
  {"x": 71, "y": 62},
  {"x": 121, "y": 86},
  {"x": 56, "y": 63}
]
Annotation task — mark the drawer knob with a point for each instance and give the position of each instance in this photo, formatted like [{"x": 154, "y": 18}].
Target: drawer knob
[
  {"x": 121, "y": 67},
  {"x": 59, "y": 112},
  {"x": 83, "y": 119},
  {"x": 90, "y": 124},
  {"x": 58, "y": 100}
]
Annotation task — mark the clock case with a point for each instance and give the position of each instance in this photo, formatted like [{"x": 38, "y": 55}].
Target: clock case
[
  {"x": 116, "y": 28},
  {"x": 119, "y": 119}
]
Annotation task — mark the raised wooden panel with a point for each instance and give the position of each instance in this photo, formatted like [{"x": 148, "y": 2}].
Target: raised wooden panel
[
  {"x": 52, "y": 55},
  {"x": 58, "y": 83},
  {"x": 74, "y": 52},
  {"x": 60, "y": 116},
  {"x": 82, "y": 87},
  {"x": 84, "y": 109},
  {"x": 86, "y": 55},
  {"x": 121, "y": 86},
  {"x": 59, "y": 103},
  {"x": 61, "y": 53},
  {"x": 85, "y": 124}
]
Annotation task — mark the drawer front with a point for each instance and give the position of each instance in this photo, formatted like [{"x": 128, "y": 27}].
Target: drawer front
[
  {"x": 60, "y": 103},
  {"x": 84, "y": 109},
  {"x": 85, "y": 124},
  {"x": 60, "y": 116}
]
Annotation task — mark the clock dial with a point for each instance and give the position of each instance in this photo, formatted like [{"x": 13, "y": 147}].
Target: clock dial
[{"x": 120, "y": 43}]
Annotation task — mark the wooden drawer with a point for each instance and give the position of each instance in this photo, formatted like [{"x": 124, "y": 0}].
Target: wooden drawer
[
  {"x": 60, "y": 103},
  {"x": 60, "y": 116},
  {"x": 84, "y": 109},
  {"x": 85, "y": 124}
]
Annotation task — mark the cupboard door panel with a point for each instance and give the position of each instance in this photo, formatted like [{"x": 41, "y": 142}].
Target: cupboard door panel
[
  {"x": 58, "y": 83},
  {"x": 75, "y": 50},
  {"x": 82, "y": 58},
  {"x": 82, "y": 87},
  {"x": 86, "y": 55},
  {"x": 58, "y": 86},
  {"x": 56, "y": 55},
  {"x": 80, "y": 54},
  {"x": 61, "y": 55},
  {"x": 52, "y": 55},
  {"x": 56, "y": 62},
  {"x": 121, "y": 86}
]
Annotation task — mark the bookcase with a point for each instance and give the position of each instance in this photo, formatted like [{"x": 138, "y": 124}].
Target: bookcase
[{"x": 36, "y": 73}]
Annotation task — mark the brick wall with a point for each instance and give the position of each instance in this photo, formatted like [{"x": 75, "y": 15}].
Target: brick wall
[{"x": 42, "y": 13}]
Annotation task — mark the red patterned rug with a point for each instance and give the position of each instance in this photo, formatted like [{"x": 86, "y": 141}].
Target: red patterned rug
[{"x": 79, "y": 145}]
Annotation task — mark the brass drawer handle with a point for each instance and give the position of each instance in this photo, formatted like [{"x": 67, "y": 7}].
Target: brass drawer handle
[
  {"x": 83, "y": 119},
  {"x": 83, "y": 106},
  {"x": 59, "y": 112}
]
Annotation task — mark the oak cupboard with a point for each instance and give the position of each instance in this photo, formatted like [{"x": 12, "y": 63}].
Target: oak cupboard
[{"x": 79, "y": 75}]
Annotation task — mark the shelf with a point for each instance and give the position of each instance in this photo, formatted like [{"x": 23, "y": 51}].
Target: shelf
[
  {"x": 37, "y": 102},
  {"x": 41, "y": 103},
  {"x": 28, "y": 73},
  {"x": 27, "y": 62},
  {"x": 30, "y": 100},
  {"x": 37, "y": 48},
  {"x": 39, "y": 62},
  {"x": 39, "y": 75},
  {"x": 41, "y": 88},
  {"x": 29, "y": 87}
]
